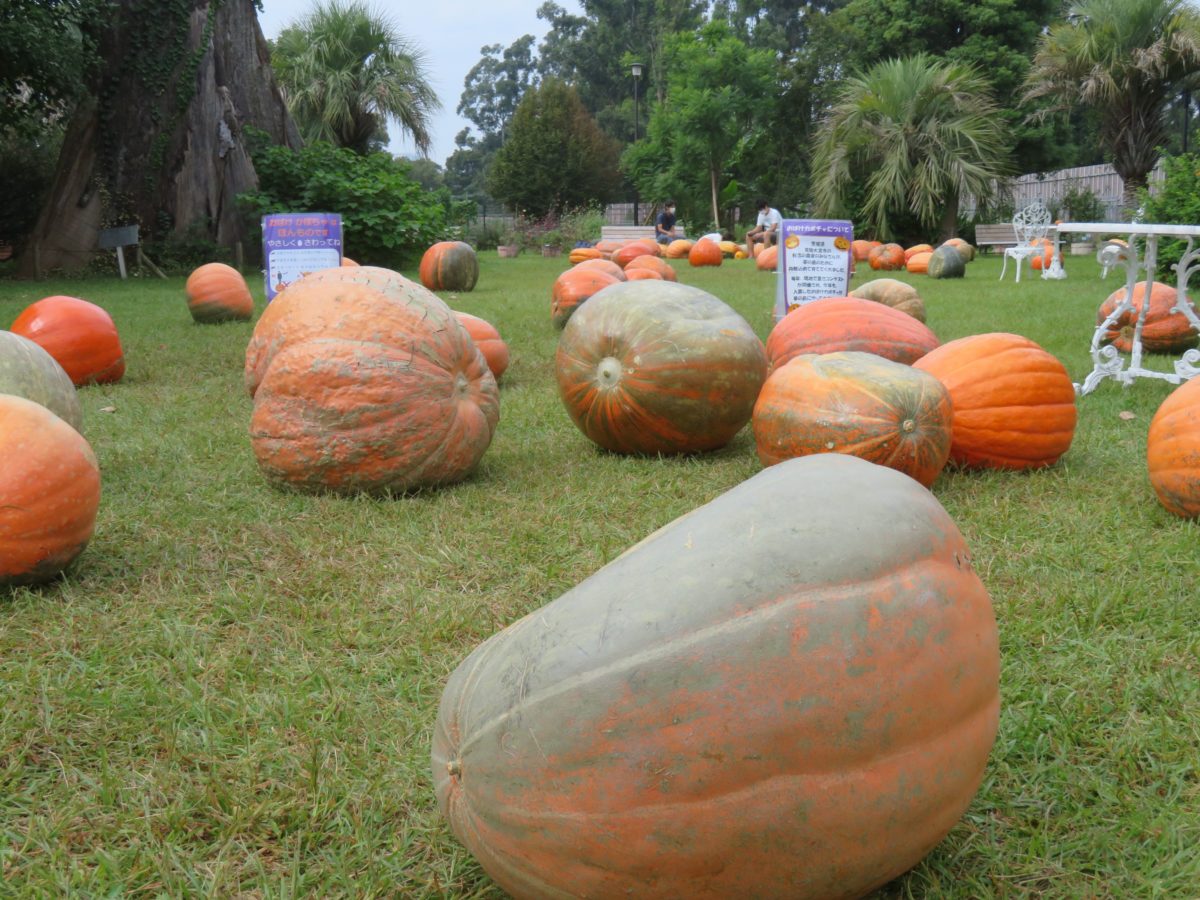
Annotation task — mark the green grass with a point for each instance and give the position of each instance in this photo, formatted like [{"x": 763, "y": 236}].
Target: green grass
[{"x": 232, "y": 691}]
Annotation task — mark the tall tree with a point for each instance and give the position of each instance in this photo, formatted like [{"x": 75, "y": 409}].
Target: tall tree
[
  {"x": 347, "y": 71},
  {"x": 495, "y": 85},
  {"x": 908, "y": 138},
  {"x": 1126, "y": 60},
  {"x": 717, "y": 103},
  {"x": 556, "y": 158},
  {"x": 159, "y": 139}
]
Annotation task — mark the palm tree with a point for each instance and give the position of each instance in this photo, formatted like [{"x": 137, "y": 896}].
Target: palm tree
[
  {"x": 908, "y": 138},
  {"x": 346, "y": 70},
  {"x": 1127, "y": 59}
]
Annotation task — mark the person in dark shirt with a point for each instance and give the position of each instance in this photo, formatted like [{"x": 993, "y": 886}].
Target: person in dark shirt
[{"x": 664, "y": 225}]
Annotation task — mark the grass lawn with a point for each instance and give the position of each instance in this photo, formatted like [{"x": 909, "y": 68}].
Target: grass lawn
[{"x": 232, "y": 692}]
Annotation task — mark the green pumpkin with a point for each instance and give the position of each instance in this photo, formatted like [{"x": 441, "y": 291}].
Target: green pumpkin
[
  {"x": 946, "y": 262},
  {"x": 26, "y": 370}
]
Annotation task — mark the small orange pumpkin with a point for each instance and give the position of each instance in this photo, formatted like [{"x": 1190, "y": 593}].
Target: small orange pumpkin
[
  {"x": 218, "y": 293},
  {"x": 79, "y": 335},
  {"x": 49, "y": 492},
  {"x": 1173, "y": 451},
  {"x": 1014, "y": 404},
  {"x": 705, "y": 253},
  {"x": 886, "y": 257},
  {"x": 1041, "y": 260}
]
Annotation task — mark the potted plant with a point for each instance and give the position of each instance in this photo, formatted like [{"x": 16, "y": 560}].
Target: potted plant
[
  {"x": 508, "y": 247},
  {"x": 552, "y": 243}
]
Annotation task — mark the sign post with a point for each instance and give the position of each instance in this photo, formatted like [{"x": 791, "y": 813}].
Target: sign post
[
  {"x": 814, "y": 262},
  {"x": 297, "y": 243}
]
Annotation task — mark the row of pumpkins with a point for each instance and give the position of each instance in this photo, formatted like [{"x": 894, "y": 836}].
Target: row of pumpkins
[{"x": 753, "y": 698}]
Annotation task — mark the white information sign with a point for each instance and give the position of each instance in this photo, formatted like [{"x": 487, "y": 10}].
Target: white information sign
[{"x": 814, "y": 262}]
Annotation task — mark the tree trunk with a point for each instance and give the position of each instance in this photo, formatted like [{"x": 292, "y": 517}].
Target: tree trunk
[
  {"x": 949, "y": 226},
  {"x": 712, "y": 172},
  {"x": 162, "y": 144}
]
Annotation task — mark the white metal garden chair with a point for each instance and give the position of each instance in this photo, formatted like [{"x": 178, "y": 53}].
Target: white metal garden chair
[{"x": 1029, "y": 225}]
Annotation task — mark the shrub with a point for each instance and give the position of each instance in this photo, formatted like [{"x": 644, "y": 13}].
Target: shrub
[
  {"x": 387, "y": 217},
  {"x": 1176, "y": 202},
  {"x": 1080, "y": 204}
]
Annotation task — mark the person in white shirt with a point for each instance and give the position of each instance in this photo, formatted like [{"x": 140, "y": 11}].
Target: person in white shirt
[{"x": 766, "y": 229}]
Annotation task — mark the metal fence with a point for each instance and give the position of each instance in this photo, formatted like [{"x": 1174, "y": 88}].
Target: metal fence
[{"x": 1050, "y": 187}]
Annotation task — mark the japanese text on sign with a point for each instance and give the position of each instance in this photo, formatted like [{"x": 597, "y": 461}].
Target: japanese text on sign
[
  {"x": 814, "y": 262},
  {"x": 297, "y": 243}
]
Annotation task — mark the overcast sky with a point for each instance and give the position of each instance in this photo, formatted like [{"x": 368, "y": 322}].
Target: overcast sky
[{"x": 451, "y": 32}]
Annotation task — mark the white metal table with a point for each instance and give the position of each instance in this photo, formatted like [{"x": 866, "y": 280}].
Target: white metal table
[{"x": 1107, "y": 360}]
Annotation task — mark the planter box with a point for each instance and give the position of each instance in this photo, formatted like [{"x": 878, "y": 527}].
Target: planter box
[
  {"x": 551, "y": 250},
  {"x": 508, "y": 252},
  {"x": 1083, "y": 249}
]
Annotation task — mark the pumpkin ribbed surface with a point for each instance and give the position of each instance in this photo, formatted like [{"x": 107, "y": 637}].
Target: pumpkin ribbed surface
[
  {"x": 602, "y": 265},
  {"x": 580, "y": 254},
  {"x": 49, "y": 492},
  {"x": 847, "y": 323},
  {"x": 1014, "y": 404},
  {"x": 659, "y": 367},
  {"x": 790, "y": 692},
  {"x": 1173, "y": 451},
  {"x": 859, "y": 404},
  {"x": 450, "y": 266},
  {"x": 909, "y": 252},
  {"x": 894, "y": 293},
  {"x": 576, "y": 285},
  {"x": 26, "y": 370},
  {"x": 653, "y": 264},
  {"x": 860, "y": 250},
  {"x": 705, "y": 253},
  {"x": 886, "y": 257},
  {"x": 79, "y": 335},
  {"x": 918, "y": 263},
  {"x": 218, "y": 293},
  {"x": 678, "y": 249},
  {"x": 1164, "y": 331},
  {"x": 488, "y": 340},
  {"x": 627, "y": 254}
]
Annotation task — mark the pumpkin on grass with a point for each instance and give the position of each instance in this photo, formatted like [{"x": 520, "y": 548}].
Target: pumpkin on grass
[
  {"x": 894, "y": 293},
  {"x": 918, "y": 263},
  {"x": 576, "y": 285},
  {"x": 631, "y": 251},
  {"x": 79, "y": 335},
  {"x": 855, "y": 403},
  {"x": 791, "y": 691},
  {"x": 218, "y": 293},
  {"x": 579, "y": 254},
  {"x": 372, "y": 388},
  {"x": 886, "y": 257},
  {"x": 910, "y": 252},
  {"x": 1165, "y": 329},
  {"x": 965, "y": 250},
  {"x": 860, "y": 250},
  {"x": 608, "y": 247},
  {"x": 1014, "y": 404},
  {"x": 602, "y": 265},
  {"x": 26, "y": 370},
  {"x": 848, "y": 323},
  {"x": 651, "y": 263},
  {"x": 767, "y": 258},
  {"x": 945, "y": 262},
  {"x": 49, "y": 492},
  {"x": 488, "y": 340},
  {"x": 659, "y": 367},
  {"x": 678, "y": 249},
  {"x": 643, "y": 275},
  {"x": 1173, "y": 451},
  {"x": 705, "y": 253},
  {"x": 450, "y": 266}
]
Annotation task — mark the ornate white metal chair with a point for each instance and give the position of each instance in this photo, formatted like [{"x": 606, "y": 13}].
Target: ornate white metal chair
[{"x": 1029, "y": 225}]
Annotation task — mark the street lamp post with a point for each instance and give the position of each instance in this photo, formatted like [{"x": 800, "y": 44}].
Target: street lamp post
[{"x": 636, "y": 70}]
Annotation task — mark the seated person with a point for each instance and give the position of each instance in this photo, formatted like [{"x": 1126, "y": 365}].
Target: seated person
[
  {"x": 766, "y": 229},
  {"x": 664, "y": 225}
]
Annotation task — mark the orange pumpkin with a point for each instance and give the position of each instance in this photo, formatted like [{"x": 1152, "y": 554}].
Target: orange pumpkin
[
  {"x": 705, "y": 253},
  {"x": 859, "y": 404},
  {"x": 789, "y": 692},
  {"x": 728, "y": 249},
  {"x": 653, "y": 264},
  {"x": 1014, "y": 404},
  {"x": 602, "y": 265},
  {"x": 450, "y": 266},
  {"x": 915, "y": 249},
  {"x": 608, "y": 248},
  {"x": 1164, "y": 331},
  {"x": 579, "y": 254},
  {"x": 573, "y": 287},
  {"x": 835, "y": 324},
  {"x": 631, "y": 251},
  {"x": 79, "y": 335},
  {"x": 965, "y": 250},
  {"x": 861, "y": 250},
  {"x": 644, "y": 275},
  {"x": 766, "y": 259},
  {"x": 49, "y": 492},
  {"x": 347, "y": 261},
  {"x": 218, "y": 293},
  {"x": 918, "y": 263},
  {"x": 371, "y": 386},
  {"x": 1173, "y": 451},
  {"x": 488, "y": 340},
  {"x": 1042, "y": 259},
  {"x": 678, "y": 249},
  {"x": 655, "y": 248},
  {"x": 886, "y": 257},
  {"x": 659, "y": 368},
  {"x": 894, "y": 293}
]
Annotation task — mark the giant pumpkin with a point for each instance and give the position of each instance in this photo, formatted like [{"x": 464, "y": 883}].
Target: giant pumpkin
[
  {"x": 1014, "y": 404},
  {"x": 909, "y": 252},
  {"x": 860, "y": 250},
  {"x": 652, "y": 263},
  {"x": 1165, "y": 330},
  {"x": 49, "y": 492},
  {"x": 789, "y": 692},
  {"x": 678, "y": 249},
  {"x": 366, "y": 382},
  {"x": 945, "y": 262},
  {"x": 218, "y": 293},
  {"x": 859, "y": 404},
  {"x": 849, "y": 323},
  {"x": 631, "y": 251},
  {"x": 918, "y": 263},
  {"x": 602, "y": 265},
  {"x": 450, "y": 266},
  {"x": 26, "y": 370},
  {"x": 705, "y": 253},
  {"x": 767, "y": 258},
  {"x": 659, "y": 367},
  {"x": 488, "y": 340},
  {"x": 886, "y": 257},
  {"x": 894, "y": 293},
  {"x": 576, "y": 285},
  {"x": 1173, "y": 451},
  {"x": 79, "y": 335}
]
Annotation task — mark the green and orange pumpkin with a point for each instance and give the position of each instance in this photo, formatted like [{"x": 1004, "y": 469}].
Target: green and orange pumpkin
[
  {"x": 26, "y": 370},
  {"x": 218, "y": 293},
  {"x": 450, "y": 266},
  {"x": 1165, "y": 330},
  {"x": 894, "y": 293},
  {"x": 576, "y": 285},
  {"x": 886, "y": 257}
]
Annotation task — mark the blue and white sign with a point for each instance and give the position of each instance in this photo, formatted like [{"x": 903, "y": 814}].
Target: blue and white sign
[
  {"x": 814, "y": 262},
  {"x": 297, "y": 243}
]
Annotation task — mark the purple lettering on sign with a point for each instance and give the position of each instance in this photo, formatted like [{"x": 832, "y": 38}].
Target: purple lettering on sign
[{"x": 297, "y": 243}]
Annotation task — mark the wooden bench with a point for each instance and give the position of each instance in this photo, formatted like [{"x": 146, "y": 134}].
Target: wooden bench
[
  {"x": 633, "y": 232},
  {"x": 1001, "y": 236}
]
